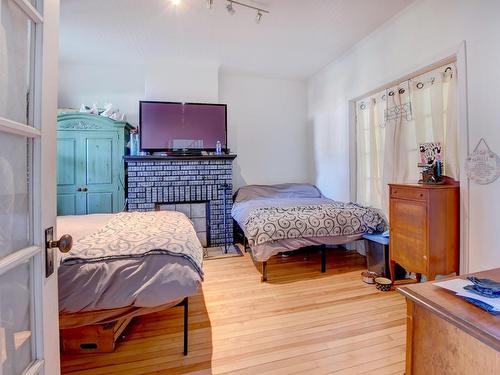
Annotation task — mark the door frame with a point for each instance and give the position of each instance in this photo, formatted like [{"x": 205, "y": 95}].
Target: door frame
[
  {"x": 48, "y": 179},
  {"x": 457, "y": 55}
]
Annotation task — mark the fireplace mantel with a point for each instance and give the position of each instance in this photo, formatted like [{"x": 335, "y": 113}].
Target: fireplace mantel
[
  {"x": 180, "y": 157},
  {"x": 154, "y": 181}
]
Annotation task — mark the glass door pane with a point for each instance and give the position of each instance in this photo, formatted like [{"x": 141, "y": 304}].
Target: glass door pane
[
  {"x": 20, "y": 296},
  {"x": 16, "y": 60},
  {"x": 14, "y": 197},
  {"x": 16, "y": 349}
]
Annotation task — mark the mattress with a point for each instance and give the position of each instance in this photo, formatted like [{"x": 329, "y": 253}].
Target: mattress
[
  {"x": 108, "y": 283},
  {"x": 288, "y": 217}
]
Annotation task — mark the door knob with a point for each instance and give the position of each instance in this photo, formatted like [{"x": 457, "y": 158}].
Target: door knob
[{"x": 64, "y": 244}]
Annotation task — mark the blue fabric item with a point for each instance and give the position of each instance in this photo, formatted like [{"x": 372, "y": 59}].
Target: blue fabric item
[
  {"x": 379, "y": 238},
  {"x": 484, "y": 287},
  {"x": 482, "y": 305}
]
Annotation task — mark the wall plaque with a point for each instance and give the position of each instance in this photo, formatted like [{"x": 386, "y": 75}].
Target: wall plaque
[{"x": 483, "y": 165}]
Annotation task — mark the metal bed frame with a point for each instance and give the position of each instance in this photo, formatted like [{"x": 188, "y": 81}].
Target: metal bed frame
[
  {"x": 185, "y": 303},
  {"x": 322, "y": 249}
]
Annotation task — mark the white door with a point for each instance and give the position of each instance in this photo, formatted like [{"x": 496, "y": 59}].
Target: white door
[{"x": 29, "y": 341}]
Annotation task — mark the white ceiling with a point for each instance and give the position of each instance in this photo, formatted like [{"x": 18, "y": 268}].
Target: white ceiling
[{"x": 296, "y": 40}]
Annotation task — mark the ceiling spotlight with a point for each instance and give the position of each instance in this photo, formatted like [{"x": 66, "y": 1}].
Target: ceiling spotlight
[
  {"x": 230, "y": 8},
  {"x": 210, "y": 4},
  {"x": 258, "y": 17}
]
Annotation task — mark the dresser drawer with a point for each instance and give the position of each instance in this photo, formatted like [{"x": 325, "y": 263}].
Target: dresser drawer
[{"x": 408, "y": 193}]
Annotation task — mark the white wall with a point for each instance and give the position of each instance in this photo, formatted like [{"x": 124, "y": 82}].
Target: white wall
[
  {"x": 87, "y": 84},
  {"x": 124, "y": 85},
  {"x": 267, "y": 129},
  {"x": 421, "y": 32},
  {"x": 181, "y": 81}
]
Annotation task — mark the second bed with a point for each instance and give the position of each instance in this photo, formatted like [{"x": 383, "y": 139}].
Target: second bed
[{"x": 288, "y": 217}]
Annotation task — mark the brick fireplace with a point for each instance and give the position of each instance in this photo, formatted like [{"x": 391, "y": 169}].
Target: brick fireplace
[{"x": 201, "y": 187}]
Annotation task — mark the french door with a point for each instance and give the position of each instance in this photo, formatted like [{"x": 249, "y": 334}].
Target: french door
[{"x": 28, "y": 299}]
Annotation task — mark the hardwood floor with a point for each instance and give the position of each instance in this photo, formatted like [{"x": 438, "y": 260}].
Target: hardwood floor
[{"x": 300, "y": 322}]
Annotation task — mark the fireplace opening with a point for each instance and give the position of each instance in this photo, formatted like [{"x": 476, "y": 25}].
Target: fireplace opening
[{"x": 197, "y": 212}]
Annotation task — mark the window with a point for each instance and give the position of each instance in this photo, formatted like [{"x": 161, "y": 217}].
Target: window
[{"x": 392, "y": 123}]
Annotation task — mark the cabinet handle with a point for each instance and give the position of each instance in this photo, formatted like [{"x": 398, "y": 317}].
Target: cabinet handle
[
  {"x": 79, "y": 189},
  {"x": 85, "y": 189},
  {"x": 425, "y": 257}
]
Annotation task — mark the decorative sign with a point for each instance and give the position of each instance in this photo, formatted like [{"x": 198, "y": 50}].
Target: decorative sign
[{"x": 483, "y": 165}]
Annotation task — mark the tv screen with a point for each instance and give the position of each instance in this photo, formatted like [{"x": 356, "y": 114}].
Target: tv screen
[{"x": 177, "y": 126}]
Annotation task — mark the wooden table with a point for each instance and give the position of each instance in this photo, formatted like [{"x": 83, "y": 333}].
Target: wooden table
[{"x": 447, "y": 335}]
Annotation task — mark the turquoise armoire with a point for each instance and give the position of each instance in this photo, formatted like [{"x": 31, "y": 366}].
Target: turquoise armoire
[{"x": 90, "y": 167}]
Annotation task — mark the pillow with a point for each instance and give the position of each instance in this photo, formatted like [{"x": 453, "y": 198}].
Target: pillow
[{"x": 277, "y": 191}]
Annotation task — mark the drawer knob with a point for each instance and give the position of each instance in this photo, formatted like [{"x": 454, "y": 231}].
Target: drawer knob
[
  {"x": 425, "y": 257},
  {"x": 421, "y": 195}
]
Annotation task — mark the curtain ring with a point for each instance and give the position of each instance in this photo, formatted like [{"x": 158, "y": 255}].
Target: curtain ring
[
  {"x": 401, "y": 91},
  {"x": 362, "y": 106},
  {"x": 382, "y": 97},
  {"x": 420, "y": 85},
  {"x": 448, "y": 68},
  {"x": 391, "y": 93}
]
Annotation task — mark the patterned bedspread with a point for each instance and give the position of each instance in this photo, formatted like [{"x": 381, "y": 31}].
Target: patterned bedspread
[
  {"x": 268, "y": 224},
  {"x": 138, "y": 234}
]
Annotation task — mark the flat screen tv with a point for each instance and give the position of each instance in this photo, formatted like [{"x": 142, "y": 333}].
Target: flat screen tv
[{"x": 169, "y": 126}]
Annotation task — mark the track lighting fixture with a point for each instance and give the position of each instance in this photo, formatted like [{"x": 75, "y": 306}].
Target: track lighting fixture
[
  {"x": 258, "y": 18},
  {"x": 230, "y": 8}
]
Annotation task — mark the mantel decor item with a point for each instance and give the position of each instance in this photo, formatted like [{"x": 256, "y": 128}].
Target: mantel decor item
[{"x": 483, "y": 165}]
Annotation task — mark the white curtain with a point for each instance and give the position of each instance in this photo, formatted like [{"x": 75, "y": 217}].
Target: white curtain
[{"x": 392, "y": 123}]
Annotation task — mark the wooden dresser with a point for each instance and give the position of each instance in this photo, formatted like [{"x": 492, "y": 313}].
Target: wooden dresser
[
  {"x": 447, "y": 335},
  {"x": 424, "y": 228}
]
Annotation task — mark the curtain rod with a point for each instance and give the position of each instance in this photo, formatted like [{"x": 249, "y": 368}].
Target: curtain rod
[{"x": 427, "y": 69}]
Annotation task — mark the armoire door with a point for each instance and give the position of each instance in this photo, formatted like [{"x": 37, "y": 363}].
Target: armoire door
[
  {"x": 70, "y": 175},
  {"x": 88, "y": 172},
  {"x": 102, "y": 175}
]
